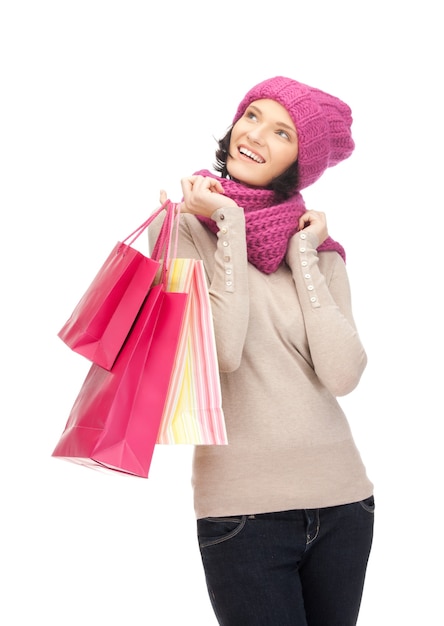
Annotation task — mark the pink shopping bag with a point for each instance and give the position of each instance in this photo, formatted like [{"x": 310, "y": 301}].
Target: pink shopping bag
[
  {"x": 101, "y": 321},
  {"x": 115, "y": 419}
]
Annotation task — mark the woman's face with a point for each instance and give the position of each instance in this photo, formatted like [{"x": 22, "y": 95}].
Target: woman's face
[{"x": 263, "y": 144}]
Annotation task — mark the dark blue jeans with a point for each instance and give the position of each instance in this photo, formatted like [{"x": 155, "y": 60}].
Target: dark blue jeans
[{"x": 293, "y": 568}]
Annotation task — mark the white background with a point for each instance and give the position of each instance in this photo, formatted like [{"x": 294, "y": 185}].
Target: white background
[{"x": 102, "y": 104}]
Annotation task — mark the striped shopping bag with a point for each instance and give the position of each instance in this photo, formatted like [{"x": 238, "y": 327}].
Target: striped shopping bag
[{"x": 193, "y": 411}]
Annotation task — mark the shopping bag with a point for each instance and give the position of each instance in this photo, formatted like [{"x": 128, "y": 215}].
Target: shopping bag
[
  {"x": 115, "y": 419},
  {"x": 193, "y": 411},
  {"x": 101, "y": 321}
]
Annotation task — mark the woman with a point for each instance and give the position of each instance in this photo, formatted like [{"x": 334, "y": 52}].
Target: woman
[{"x": 285, "y": 510}]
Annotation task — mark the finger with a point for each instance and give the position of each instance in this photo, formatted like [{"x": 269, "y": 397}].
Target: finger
[
  {"x": 163, "y": 196},
  {"x": 187, "y": 185},
  {"x": 216, "y": 186},
  {"x": 304, "y": 220},
  {"x": 188, "y": 182}
]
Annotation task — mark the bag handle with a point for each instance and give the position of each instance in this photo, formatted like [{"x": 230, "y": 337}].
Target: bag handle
[
  {"x": 165, "y": 248},
  {"x": 136, "y": 233},
  {"x": 162, "y": 248},
  {"x": 169, "y": 228}
]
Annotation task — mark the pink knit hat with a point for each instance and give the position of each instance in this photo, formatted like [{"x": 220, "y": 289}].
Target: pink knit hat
[{"x": 323, "y": 124}]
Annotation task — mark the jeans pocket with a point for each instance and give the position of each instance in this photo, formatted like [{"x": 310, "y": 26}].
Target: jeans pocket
[
  {"x": 214, "y": 530},
  {"x": 368, "y": 504}
]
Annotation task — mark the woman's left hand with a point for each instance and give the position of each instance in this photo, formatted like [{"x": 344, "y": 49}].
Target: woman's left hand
[{"x": 315, "y": 222}]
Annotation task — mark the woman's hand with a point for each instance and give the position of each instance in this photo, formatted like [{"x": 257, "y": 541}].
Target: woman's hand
[
  {"x": 315, "y": 222},
  {"x": 202, "y": 195}
]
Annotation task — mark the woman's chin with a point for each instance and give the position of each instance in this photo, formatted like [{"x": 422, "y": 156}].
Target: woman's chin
[{"x": 246, "y": 174}]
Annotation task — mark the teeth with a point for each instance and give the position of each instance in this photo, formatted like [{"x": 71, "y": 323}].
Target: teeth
[{"x": 253, "y": 156}]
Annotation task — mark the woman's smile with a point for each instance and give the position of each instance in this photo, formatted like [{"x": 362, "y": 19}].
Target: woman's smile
[{"x": 254, "y": 156}]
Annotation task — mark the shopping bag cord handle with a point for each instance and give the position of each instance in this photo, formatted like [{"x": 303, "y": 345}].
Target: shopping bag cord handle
[
  {"x": 131, "y": 238},
  {"x": 162, "y": 248}
]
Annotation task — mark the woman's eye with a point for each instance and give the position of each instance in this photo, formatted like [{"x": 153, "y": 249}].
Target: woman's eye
[
  {"x": 283, "y": 134},
  {"x": 251, "y": 115}
]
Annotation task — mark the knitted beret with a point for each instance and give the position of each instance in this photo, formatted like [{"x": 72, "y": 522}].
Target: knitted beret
[{"x": 323, "y": 124}]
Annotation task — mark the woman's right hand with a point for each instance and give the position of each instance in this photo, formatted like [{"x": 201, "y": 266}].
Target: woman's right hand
[{"x": 203, "y": 195}]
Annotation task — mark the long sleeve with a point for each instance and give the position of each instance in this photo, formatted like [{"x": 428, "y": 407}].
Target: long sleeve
[
  {"x": 225, "y": 260},
  {"x": 337, "y": 353}
]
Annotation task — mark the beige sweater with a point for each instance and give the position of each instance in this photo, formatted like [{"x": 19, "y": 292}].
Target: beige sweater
[{"x": 287, "y": 347}]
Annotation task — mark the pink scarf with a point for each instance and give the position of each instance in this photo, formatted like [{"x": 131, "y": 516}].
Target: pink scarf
[{"x": 269, "y": 226}]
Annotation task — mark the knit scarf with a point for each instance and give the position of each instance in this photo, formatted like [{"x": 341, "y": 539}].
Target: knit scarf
[{"x": 269, "y": 224}]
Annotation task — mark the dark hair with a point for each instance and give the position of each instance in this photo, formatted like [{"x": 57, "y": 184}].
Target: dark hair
[{"x": 283, "y": 185}]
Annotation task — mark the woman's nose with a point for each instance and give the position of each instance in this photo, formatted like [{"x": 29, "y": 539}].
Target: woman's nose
[{"x": 255, "y": 135}]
